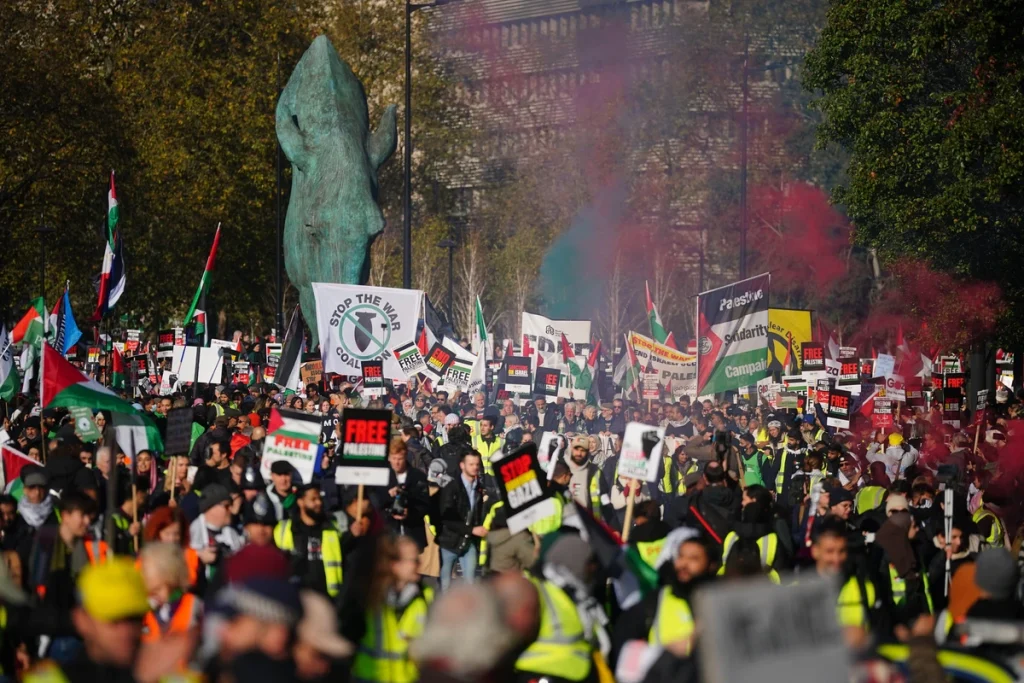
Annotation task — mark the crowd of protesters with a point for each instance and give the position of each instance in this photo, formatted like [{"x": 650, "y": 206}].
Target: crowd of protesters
[{"x": 195, "y": 565}]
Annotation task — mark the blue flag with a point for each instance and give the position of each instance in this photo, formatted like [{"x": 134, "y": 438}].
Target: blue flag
[{"x": 67, "y": 332}]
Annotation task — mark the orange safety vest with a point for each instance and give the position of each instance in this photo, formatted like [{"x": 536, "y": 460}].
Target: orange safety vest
[
  {"x": 181, "y": 620},
  {"x": 91, "y": 547}
]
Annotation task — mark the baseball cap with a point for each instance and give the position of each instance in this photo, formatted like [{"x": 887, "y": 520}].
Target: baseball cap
[
  {"x": 582, "y": 442},
  {"x": 318, "y": 627},
  {"x": 113, "y": 590},
  {"x": 213, "y": 495},
  {"x": 34, "y": 475}
]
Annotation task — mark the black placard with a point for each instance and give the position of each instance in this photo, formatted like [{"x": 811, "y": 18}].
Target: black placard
[
  {"x": 522, "y": 484},
  {"x": 363, "y": 449},
  {"x": 515, "y": 375},
  {"x": 373, "y": 377},
  {"x": 547, "y": 382},
  {"x": 812, "y": 356},
  {"x": 179, "y": 432},
  {"x": 438, "y": 360}
]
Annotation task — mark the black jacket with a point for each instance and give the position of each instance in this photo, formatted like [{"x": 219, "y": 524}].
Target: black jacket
[
  {"x": 455, "y": 510},
  {"x": 718, "y": 505},
  {"x": 417, "y": 503}
]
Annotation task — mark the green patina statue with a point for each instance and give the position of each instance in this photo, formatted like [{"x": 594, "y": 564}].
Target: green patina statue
[{"x": 333, "y": 216}]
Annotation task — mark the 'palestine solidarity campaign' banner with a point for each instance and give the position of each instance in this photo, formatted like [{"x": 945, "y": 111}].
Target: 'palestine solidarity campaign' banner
[{"x": 732, "y": 335}]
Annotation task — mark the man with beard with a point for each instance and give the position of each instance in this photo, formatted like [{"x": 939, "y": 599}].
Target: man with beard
[
  {"x": 666, "y": 617},
  {"x": 678, "y": 423},
  {"x": 313, "y": 543}
]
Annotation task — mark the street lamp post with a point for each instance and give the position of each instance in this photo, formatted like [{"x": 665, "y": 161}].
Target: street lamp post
[
  {"x": 407, "y": 168},
  {"x": 450, "y": 245}
]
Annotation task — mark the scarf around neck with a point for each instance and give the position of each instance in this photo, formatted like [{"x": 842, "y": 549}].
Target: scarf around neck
[{"x": 35, "y": 514}]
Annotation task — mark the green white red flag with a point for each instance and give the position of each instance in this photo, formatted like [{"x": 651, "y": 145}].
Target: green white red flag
[
  {"x": 204, "y": 286},
  {"x": 658, "y": 331}
]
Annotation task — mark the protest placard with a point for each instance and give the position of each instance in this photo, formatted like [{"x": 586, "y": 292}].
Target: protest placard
[
  {"x": 293, "y": 437},
  {"x": 311, "y": 372},
  {"x": 952, "y": 398},
  {"x": 373, "y": 378},
  {"x": 546, "y": 386},
  {"x": 551, "y": 449},
  {"x": 165, "y": 340},
  {"x": 131, "y": 345},
  {"x": 179, "y": 432},
  {"x": 437, "y": 361},
  {"x": 757, "y": 631},
  {"x": 839, "y": 402},
  {"x": 85, "y": 426},
  {"x": 641, "y": 451},
  {"x": 795, "y": 383},
  {"x": 885, "y": 365},
  {"x": 849, "y": 376},
  {"x": 812, "y": 357},
  {"x": 457, "y": 376},
  {"x": 882, "y": 413},
  {"x": 211, "y": 364},
  {"x": 521, "y": 484},
  {"x": 240, "y": 372},
  {"x": 915, "y": 392},
  {"x": 364, "y": 447},
  {"x": 895, "y": 388},
  {"x": 955, "y": 380},
  {"x": 515, "y": 375},
  {"x": 650, "y": 389},
  {"x": 410, "y": 359}
]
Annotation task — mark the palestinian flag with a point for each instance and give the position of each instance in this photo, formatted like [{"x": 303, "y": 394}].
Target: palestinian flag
[
  {"x": 117, "y": 373},
  {"x": 627, "y": 372},
  {"x": 31, "y": 327},
  {"x": 8, "y": 375},
  {"x": 111, "y": 282},
  {"x": 204, "y": 286},
  {"x": 64, "y": 386},
  {"x": 567, "y": 352},
  {"x": 583, "y": 373},
  {"x": 136, "y": 432},
  {"x": 13, "y": 462},
  {"x": 657, "y": 328},
  {"x": 631, "y": 576}
]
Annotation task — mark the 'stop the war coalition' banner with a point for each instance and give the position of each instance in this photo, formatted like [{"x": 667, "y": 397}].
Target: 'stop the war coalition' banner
[
  {"x": 732, "y": 335},
  {"x": 359, "y": 323}
]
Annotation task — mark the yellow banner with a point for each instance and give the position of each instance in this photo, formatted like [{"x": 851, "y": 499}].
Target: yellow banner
[{"x": 787, "y": 327}]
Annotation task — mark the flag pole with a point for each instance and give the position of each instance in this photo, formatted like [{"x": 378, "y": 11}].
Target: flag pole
[{"x": 42, "y": 382}]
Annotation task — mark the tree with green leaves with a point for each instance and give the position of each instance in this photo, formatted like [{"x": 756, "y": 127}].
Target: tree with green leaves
[{"x": 926, "y": 98}]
